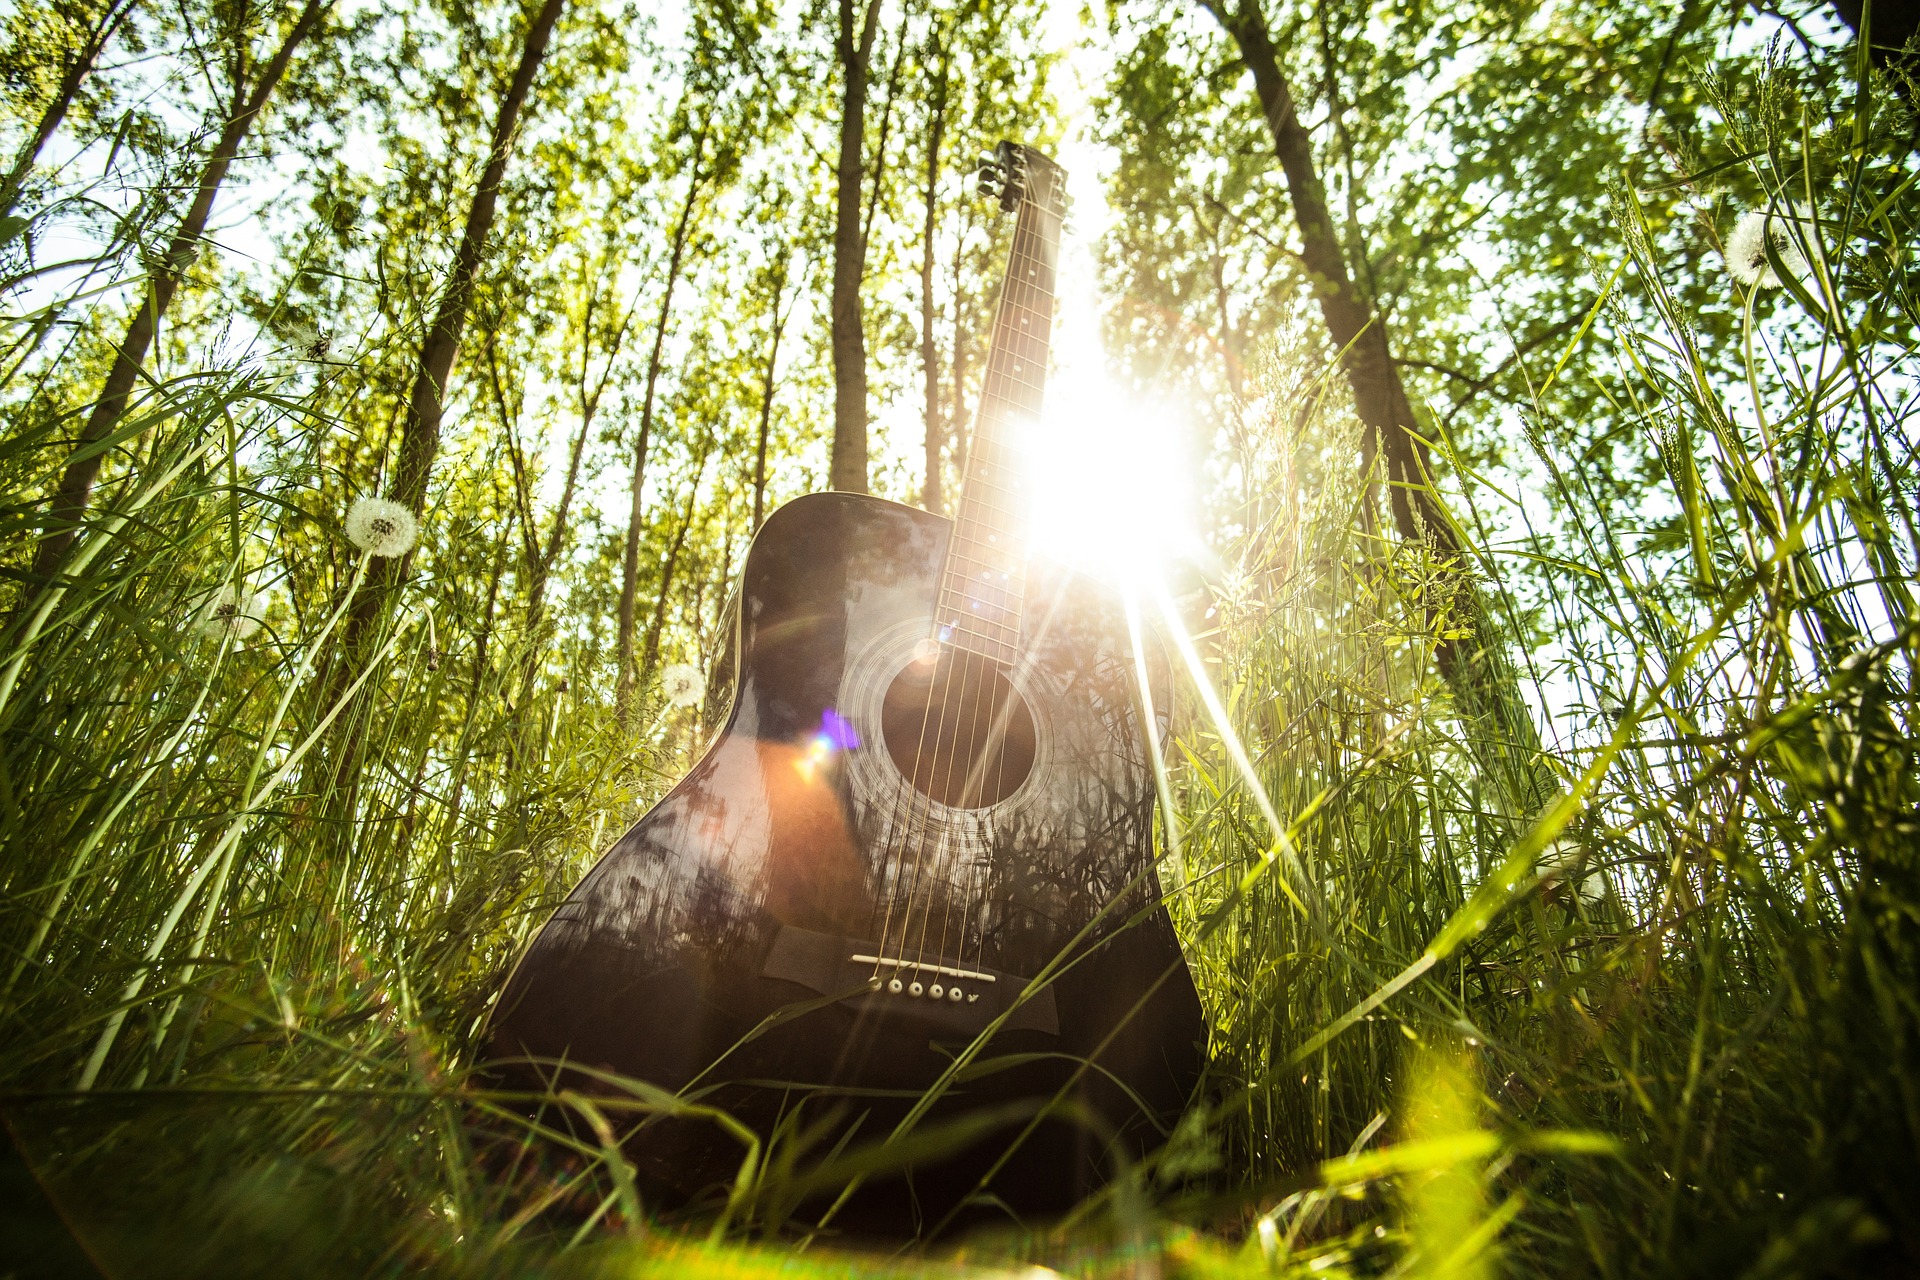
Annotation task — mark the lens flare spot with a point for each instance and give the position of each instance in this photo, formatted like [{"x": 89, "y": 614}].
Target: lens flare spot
[{"x": 818, "y": 752}]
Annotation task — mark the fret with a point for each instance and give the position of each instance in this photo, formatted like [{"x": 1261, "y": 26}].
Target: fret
[
  {"x": 999, "y": 592},
  {"x": 978, "y": 577},
  {"x": 984, "y": 504},
  {"x": 987, "y": 536},
  {"x": 974, "y": 577},
  {"x": 980, "y": 557},
  {"x": 1000, "y": 651},
  {"x": 983, "y": 584},
  {"x": 1015, "y": 380},
  {"x": 999, "y": 521},
  {"x": 982, "y": 554},
  {"x": 978, "y": 599},
  {"x": 961, "y": 622},
  {"x": 986, "y": 475},
  {"x": 1021, "y": 372}
]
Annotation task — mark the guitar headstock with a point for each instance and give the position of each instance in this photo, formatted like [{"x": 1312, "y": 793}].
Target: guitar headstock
[{"x": 1014, "y": 174}]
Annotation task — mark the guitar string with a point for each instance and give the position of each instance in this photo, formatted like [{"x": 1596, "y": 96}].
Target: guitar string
[
  {"x": 981, "y": 668},
  {"x": 978, "y": 886},
  {"x": 972, "y": 787},
  {"x": 896, "y": 868},
  {"x": 974, "y": 671},
  {"x": 999, "y": 715},
  {"x": 920, "y": 805},
  {"x": 946, "y": 660},
  {"x": 892, "y": 867},
  {"x": 1038, "y": 636},
  {"x": 994, "y": 723},
  {"x": 925, "y": 764},
  {"x": 938, "y": 772}
]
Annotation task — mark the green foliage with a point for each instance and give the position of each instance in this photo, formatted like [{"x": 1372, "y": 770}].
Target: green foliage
[{"x": 253, "y": 900}]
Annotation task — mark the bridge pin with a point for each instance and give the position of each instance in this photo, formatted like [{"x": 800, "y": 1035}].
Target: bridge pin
[
  {"x": 953, "y": 994},
  {"x": 914, "y": 989},
  {"x": 936, "y": 991},
  {"x": 896, "y": 986}
]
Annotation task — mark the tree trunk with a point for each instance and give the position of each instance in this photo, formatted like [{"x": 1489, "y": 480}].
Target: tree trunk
[
  {"x": 630, "y": 561},
  {"x": 880, "y": 148},
  {"x": 935, "y": 438},
  {"x": 420, "y": 433},
  {"x": 79, "y": 67},
  {"x": 72, "y": 496},
  {"x": 1474, "y": 666},
  {"x": 956, "y": 417},
  {"x": 420, "y": 426},
  {"x": 542, "y": 569},
  {"x": 849, "y": 466},
  {"x": 659, "y": 622},
  {"x": 766, "y": 401}
]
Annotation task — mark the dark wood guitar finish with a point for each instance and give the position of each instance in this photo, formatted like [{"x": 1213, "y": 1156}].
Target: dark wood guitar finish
[{"x": 913, "y": 808}]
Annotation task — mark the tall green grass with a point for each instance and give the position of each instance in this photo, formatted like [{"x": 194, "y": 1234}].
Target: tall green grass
[
  {"x": 1705, "y": 951},
  {"x": 1667, "y": 1022}
]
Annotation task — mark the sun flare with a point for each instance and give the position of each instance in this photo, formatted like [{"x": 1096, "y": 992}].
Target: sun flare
[{"x": 1109, "y": 472}]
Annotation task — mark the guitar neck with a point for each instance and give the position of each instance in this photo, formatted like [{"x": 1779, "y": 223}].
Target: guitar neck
[{"x": 983, "y": 587}]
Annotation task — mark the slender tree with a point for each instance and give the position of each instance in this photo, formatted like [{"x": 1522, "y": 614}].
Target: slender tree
[
  {"x": 935, "y": 438},
  {"x": 854, "y": 47},
  {"x": 779, "y": 313},
  {"x": 77, "y": 64},
  {"x": 420, "y": 430},
  {"x": 420, "y": 424},
  {"x": 74, "y": 492},
  {"x": 651, "y": 658},
  {"x": 630, "y": 560},
  {"x": 1474, "y": 664}
]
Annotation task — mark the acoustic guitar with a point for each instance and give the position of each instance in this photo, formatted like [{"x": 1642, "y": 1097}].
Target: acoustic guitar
[{"x": 916, "y": 856}]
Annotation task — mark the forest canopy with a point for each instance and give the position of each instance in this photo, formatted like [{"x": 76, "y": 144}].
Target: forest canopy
[{"x": 1500, "y": 415}]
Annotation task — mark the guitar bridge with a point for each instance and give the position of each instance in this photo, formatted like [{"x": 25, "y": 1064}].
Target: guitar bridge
[{"x": 951, "y": 996}]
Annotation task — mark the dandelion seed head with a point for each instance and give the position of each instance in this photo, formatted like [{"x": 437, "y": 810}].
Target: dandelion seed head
[
  {"x": 681, "y": 684},
  {"x": 381, "y": 527},
  {"x": 230, "y": 612},
  {"x": 1747, "y": 246}
]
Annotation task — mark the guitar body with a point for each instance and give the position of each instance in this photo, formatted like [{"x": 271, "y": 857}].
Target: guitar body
[{"x": 892, "y": 843}]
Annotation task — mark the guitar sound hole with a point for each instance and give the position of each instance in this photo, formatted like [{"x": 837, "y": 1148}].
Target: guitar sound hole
[{"x": 958, "y": 731}]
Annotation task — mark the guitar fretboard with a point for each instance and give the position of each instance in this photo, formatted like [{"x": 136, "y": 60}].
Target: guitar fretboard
[{"x": 983, "y": 586}]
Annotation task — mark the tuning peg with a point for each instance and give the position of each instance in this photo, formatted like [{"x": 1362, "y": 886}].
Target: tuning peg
[
  {"x": 989, "y": 180},
  {"x": 1010, "y": 167}
]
